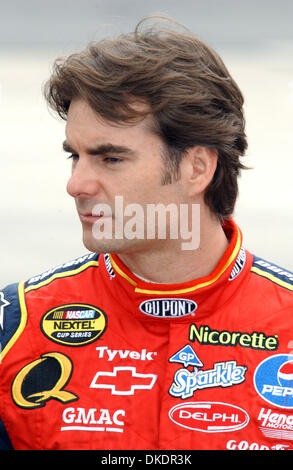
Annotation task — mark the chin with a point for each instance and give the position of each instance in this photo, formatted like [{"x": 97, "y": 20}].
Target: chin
[
  {"x": 112, "y": 245},
  {"x": 103, "y": 246},
  {"x": 96, "y": 246}
]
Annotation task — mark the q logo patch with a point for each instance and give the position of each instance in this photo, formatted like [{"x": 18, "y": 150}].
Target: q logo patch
[
  {"x": 74, "y": 324},
  {"x": 42, "y": 380}
]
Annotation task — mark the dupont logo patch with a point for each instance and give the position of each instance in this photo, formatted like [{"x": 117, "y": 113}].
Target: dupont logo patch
[
  {"x": 74, "y": 324},
  {"x": 168, "y": 308},
  {"x": 209, "y": 416}
]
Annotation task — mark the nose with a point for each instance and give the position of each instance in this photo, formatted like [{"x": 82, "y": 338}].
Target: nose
[{"x": 83, "y": 180}]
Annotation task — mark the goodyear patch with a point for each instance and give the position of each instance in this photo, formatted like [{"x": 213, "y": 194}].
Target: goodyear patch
[{"x": 74, "y": 324}]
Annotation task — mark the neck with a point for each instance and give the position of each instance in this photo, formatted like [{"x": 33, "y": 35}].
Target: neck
[{"x": 169, "y": 264}]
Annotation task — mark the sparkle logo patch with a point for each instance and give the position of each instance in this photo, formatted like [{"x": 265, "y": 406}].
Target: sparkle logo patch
[
  {"x": 186, "y": 382},
  {"x": 273, "y": 380}
]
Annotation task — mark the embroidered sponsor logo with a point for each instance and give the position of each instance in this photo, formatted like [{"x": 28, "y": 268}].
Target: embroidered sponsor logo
[
  {"x": 93, "y": 419},
  {"x": 123, "y": 381},
  {"x": 108, "y": 265},
  {"x": 210, "y": 417},
  {"x": 273, "y": 380},
  {"x": 187, "y": 357},
  {"x": 244, "y": 445},
  {"x": 3, "y": 303},
  {"x": 168, "y": 308},
  {"x": 110, "y": 354},
  {"x": 42, "y": 380},
  {"x": 256, "y": 340},
  {"x": 74, "y": 324},
  {"x": 239, "y": 264},
  {"x": 61, "y": 267},
  {"x": 276, "y": 425},
  {"x": 274, "y": 269},
  {"x": 185, "y": 383},
  {"x": 223, "y": 374}
]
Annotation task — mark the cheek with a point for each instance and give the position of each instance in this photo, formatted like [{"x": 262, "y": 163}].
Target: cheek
[
  {"x": 138, "y": 189},
  {"x": 145, "y": 187}
]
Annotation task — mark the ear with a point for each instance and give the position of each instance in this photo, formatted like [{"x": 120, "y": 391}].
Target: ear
[{"x": 197, "y": 169}]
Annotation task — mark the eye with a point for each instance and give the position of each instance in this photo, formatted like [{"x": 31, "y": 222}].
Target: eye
[
  {"x": 112, "y": 160},
  {"x": 73, "y": 156}
]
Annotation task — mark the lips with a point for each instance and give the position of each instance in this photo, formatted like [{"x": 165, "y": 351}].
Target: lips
[
  {"x": 97, "y": 214},
  {"x": 93, "y": 212},
  {"x": 90, "y": 218}
]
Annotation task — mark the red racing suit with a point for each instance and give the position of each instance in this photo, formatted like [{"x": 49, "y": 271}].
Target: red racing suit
[{"x": 95, "y": 358}]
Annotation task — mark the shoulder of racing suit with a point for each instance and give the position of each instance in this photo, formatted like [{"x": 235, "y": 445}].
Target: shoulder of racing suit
[
  {"x": 274, "y": 273},
  {"x": 13, "y": 313},
  {"x": 12, "y": 321},
  {"x": 10, "y": 328},
  {"x": 70, "y": 268}
]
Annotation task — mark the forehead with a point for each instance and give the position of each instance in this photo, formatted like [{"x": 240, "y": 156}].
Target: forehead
[{"x": 84, "y": 121}]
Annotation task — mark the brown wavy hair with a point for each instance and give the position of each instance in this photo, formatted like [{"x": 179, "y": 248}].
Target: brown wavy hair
[{"x": 190, "y": 94}]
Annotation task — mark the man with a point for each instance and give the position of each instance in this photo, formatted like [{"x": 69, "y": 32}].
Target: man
[{"x": 156, "y": 339}]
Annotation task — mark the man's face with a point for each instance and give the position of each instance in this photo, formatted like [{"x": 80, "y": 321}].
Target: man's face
[{"x": 110, "y": 161}]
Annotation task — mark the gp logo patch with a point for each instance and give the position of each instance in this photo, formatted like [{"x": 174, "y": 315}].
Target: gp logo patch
[
  {"x": 186, "y": 382},
  {"x": 74, "y": 324},
  {"x": 273, "y": 380}
]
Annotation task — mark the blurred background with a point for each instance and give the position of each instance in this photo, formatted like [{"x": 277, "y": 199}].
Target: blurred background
[{"x": 39, "y": 227}]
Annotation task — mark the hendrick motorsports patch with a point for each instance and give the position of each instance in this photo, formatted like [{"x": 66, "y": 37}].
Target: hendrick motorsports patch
[{"x": 74, "y": 324}]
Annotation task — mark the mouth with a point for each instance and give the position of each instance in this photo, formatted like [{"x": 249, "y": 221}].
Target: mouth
[
  {"x": 90, "y": 218},
  {"x": 94, "y": 216}
]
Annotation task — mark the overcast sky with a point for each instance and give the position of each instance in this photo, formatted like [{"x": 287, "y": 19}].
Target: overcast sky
[{"x": 71, "y": 23}]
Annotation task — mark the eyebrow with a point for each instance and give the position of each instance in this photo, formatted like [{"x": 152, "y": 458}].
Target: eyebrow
[{"x": 102, "y": 149}]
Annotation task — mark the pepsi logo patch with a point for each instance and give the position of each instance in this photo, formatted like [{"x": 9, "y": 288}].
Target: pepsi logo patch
[{"x": 273, "y": 380}]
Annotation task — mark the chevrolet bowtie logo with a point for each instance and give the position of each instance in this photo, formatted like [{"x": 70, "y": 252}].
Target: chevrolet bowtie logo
[{"x": 123, "y": 381}]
